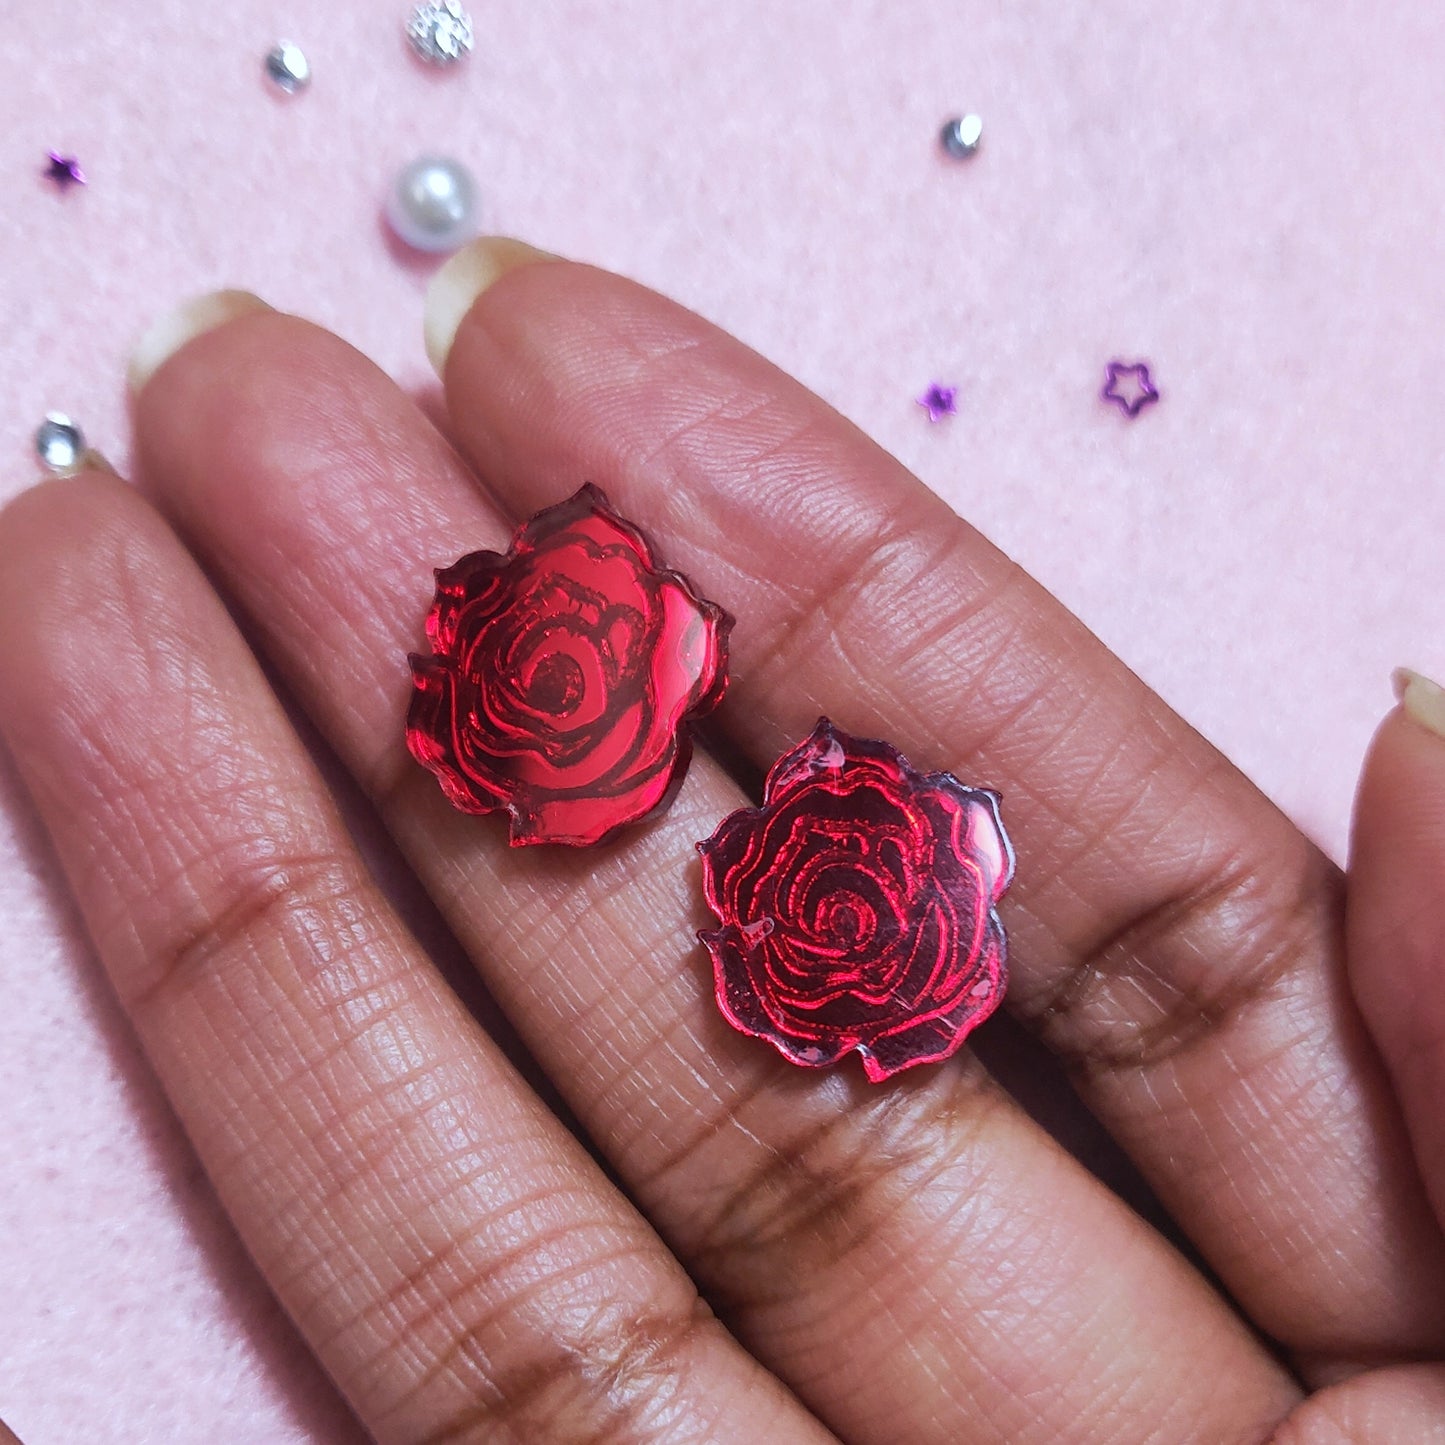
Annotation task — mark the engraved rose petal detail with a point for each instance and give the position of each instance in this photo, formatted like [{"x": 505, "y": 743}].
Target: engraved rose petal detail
[
  {"x": 857, "y": 907},
  {"x": 563, "y": 676}
]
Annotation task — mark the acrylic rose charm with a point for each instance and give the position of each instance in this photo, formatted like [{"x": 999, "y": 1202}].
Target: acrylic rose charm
[
  {"x": 857, "y": 907},
  {"x": 563, "y": 677}
]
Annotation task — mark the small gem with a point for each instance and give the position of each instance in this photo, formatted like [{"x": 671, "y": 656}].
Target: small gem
[
  {"x": 440, "y": 31},
  {"x": 287, "y": 67},
  {"x": 59, "y": 443},
  {"x": 1129, "y": 386},
  {"x": 939, "y": 401},
  {"x": 65, "y": 171},
  {"x": 960, "y": 136}
]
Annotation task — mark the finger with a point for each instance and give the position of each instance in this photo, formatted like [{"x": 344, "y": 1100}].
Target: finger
[
  {"x": 879, "y": 1248},
  {"x": 1173, "y": 936},
  {"x": 1378, "y": 1407},
  {"x": 1397, "y": 911},
  {"x": 459, "y": 1265}
]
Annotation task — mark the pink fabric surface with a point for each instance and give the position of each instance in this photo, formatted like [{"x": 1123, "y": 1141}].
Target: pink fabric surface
[{"x": 1246, "y": 194}]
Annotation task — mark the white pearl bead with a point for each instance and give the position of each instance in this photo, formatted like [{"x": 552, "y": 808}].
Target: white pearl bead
[{"x": 432, "y": 204}]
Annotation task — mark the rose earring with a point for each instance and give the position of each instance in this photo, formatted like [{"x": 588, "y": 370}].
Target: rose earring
[
  {"x": 563, "y": 677},
  {"x": 858, "y": 907}
]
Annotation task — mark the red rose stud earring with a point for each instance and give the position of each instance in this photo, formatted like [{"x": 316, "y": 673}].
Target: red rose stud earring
[
  {"x": 563, "y": 676},
  {"x": 857, "y": 907}
]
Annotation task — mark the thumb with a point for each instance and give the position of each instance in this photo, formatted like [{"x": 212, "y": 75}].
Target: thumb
[{"x": 1396, "y": 912}]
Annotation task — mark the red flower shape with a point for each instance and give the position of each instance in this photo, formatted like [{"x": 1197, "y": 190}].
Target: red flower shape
[
  {"x": 857, "y": 907},
  {"x": 563, "y": 676}
]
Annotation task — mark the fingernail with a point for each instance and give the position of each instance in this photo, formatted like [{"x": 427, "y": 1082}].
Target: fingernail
[
  {"x": 189, "y": 320},
  {"x": 1423, "y": 700},
  {"x": 458, "y": 284}
]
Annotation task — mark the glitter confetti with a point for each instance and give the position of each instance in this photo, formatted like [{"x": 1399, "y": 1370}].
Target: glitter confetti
[
  {"x": 939, "y": 401},
  {"x": 1129, "y": 386},
  {"x": 65, "y": 171}
]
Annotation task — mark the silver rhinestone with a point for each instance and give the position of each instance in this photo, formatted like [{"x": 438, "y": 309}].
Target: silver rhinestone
[
  {"x": 433, "y": 204},
  {"x": 440, "y": 31},
  {"x": 287, "y": 68},
  {"x": 961, "y": 135},
  {"x": 59, "y": 443}
]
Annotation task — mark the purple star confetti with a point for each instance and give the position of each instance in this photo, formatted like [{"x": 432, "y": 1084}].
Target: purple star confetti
[
  {"x": 939, "y": 401},
  {"x": 65, "y": 171},
  {"x": 1129, "y": 386}
]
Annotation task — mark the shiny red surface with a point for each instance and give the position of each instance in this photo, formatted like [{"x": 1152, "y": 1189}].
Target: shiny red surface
[
  {"x": 563, "y": 676},
  {"x": 857, "y": 907}
]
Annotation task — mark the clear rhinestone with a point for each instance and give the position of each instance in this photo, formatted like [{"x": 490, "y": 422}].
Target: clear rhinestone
[
  {"x": 287, "y": 68},
  {"x": 440, "y": 31},
  {"x": 59, "y": 443},
  {"x": 961, "y": 135}
]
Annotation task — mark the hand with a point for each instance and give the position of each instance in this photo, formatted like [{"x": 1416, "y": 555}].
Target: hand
[{"x": 785, "y": 1255}]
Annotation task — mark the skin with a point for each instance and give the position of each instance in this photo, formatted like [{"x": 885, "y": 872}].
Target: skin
[{"x": 774, "y": 1254}]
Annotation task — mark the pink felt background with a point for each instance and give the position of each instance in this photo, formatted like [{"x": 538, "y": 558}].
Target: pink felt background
[{"x": 1249, "y": 194}]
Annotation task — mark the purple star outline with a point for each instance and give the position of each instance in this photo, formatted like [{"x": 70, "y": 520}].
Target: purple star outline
[
  {"x": 1133, "y": 402},
  {"x": 939, "y": 401},
  {"x": 65, "y": 171}
]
